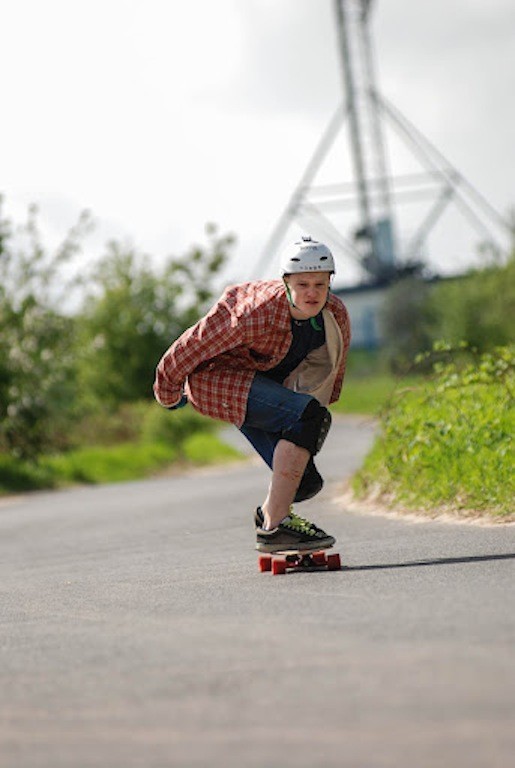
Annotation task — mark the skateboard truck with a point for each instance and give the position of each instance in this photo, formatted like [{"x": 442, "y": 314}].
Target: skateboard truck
[{"x": 281, "y": 562}]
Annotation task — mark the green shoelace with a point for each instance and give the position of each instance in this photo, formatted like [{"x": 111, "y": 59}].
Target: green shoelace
[{"x": 298, "y": 523}]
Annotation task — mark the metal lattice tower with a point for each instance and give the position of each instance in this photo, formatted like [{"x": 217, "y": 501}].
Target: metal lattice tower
[
  {"x": 375, "y": 192},
  {"x": 375, "y": 233}
]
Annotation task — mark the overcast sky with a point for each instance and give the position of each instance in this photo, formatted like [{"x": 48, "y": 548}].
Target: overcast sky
[{"x": 162, "y": 115}]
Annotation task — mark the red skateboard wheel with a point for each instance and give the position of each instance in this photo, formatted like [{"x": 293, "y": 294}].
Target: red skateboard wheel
[
  {"x": 264, "y": 563},
  {"x": 278, "y": 567}
]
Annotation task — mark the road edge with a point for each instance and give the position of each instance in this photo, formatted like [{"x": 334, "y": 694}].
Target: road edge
[{"x": 377, "y": 504}]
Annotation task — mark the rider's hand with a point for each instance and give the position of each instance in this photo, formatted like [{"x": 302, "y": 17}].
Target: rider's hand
[{"x": 180, "y": 404}]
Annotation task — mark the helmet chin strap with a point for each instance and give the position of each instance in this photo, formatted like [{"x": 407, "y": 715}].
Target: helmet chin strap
[
  {"x": 312, "y": 320},
  {"x": 289, "y": 296}
]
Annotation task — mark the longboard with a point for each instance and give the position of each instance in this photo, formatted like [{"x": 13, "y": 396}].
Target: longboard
[{"x": 294, "y": 560}]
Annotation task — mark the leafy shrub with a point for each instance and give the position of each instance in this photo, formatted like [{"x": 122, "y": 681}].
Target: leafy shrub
[
  {"x": 476, "y": 308},
  {"x": 206, "y": 448},
  {"x": 405, "y": 319},
  {"x": 66, "y": 356},
  {"x": 450, "y": 440},
  {"x": 16, "y": 475},
  {"x": 133, "y": 311},
  {"x": 109, "y": 425},
  {"x": 37, "y": 368},
  {"x": 173, "y": 427}
]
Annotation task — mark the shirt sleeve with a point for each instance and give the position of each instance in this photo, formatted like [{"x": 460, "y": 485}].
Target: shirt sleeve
[{"x": 219, "y": 331}]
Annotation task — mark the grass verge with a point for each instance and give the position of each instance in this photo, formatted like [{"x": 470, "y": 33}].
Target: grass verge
[
  {"x": 368, "y": 395},
  {"x": 369, "y": 384},
  {"x": 111, "y": 464},
  {"x": 448, "y": 442}
]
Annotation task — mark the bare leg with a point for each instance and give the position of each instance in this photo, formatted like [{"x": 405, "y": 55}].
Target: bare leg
[{"x": 289, "y": 464}]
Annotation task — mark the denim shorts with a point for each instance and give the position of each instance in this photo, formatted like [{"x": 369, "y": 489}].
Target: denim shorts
[{"x": 271, "y": 409}]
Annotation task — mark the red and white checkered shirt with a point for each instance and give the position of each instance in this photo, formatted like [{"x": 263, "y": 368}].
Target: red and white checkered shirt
[{"x": 247, "y": 330}]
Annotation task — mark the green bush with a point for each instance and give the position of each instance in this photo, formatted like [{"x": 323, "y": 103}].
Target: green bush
[
  {"x": 133, "y": 441},
  {"x": 144, "y": 421},
  {"x": 37, "y": 340},
  {"x": 477, "y": 308},
  {"x": 173, "y": 427},
  {"x": 132, "y": 311},
  {"x": 16, "y": 476},
  {"x": 449, "y": 441},
  {"x": 109, "y": 425},
  {"x": 64, "y": 374},
  {"x": 205, "y": 448}
]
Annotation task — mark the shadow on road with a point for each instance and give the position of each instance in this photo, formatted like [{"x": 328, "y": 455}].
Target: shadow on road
[{"x": 423, "y": 563}]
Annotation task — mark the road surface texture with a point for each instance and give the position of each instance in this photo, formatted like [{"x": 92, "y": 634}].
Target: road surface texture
[{"x": 137, "y": 631}]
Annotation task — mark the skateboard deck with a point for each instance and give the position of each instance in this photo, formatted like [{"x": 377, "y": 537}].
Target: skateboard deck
[{"x": 294, "y": 560}]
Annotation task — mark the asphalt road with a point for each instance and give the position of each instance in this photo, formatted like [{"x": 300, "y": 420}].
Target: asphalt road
[{"x": 136, "y": 630}]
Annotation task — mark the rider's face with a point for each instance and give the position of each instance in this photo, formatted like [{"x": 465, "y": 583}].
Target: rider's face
[{"x": 308, "y": 292}]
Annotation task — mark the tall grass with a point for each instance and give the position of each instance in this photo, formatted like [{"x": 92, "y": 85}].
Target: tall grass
[{"x": 449, "y": 440}]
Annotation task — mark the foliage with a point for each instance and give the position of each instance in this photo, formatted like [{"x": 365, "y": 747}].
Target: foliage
[
  {"x": 110, "y": 426},
  {"x": 28, "y": 270},
  {"x": 129, "y": 461},
  {"x": 368, "y": 384},
  {"x": 405, "y": 321},
  {"x": 66, "y": 367},
  {"x": 37, "y": 367},
  {"x": 173, "y": 427},
  {"x": 17, "y": 475},
  {"x": 368, "y": 395},
  {"x": 111, "y": 464},
  {"x": 477, "y": 308},
  {"x": 135, "y": 311},
  {"x": 449, "y": 441},
  {"x": 36, "y": 342},
  {"x": 206, "y": 448},
  {"x": 139, "y": 440}
]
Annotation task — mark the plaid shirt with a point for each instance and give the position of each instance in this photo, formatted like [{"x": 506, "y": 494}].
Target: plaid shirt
[{"x": 247, "y": 330}]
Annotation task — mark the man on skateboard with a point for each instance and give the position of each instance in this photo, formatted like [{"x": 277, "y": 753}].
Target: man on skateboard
[{"x": 269, "y": 357}]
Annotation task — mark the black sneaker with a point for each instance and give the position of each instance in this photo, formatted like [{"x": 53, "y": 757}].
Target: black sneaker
[
  {"x": 311, "y": 483},
  {"x": 294, "y": 533},
  {"x": 259, "y": 519}
]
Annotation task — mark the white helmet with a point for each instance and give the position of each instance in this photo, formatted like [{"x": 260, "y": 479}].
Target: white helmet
[{"x": 306, "y": 255}]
